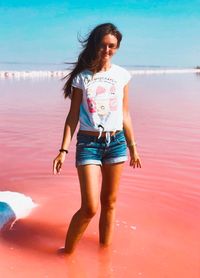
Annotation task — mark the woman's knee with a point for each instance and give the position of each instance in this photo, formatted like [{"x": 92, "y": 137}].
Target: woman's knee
[
  {"x": 89, "y": 211},
  {"x": 108, "y": 202}
]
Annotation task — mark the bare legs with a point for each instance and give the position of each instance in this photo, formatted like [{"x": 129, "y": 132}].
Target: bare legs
[
  {"x": 89, "y": 184},
  {"x": 110, "y": 182}
]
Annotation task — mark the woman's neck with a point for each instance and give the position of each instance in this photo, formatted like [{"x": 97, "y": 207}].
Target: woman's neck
[{"x": 105, "y": 66}]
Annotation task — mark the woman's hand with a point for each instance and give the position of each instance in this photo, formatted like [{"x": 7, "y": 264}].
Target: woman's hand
[
  {"x": 57, "y": 163},
  {"x": 135, "y": 159}
]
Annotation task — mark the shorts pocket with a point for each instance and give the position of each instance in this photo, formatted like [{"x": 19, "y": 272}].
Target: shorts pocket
[{"x": 121, "y": 141}]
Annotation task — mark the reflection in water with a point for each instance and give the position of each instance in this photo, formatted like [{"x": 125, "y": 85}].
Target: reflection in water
[
  {"x": 75, "y": 266},
  {"x": 32, "y": 235},
  {"x": 105, "y": 263}
]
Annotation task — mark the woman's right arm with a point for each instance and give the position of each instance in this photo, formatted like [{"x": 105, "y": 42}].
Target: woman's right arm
[{"x": 69, "y": 129}]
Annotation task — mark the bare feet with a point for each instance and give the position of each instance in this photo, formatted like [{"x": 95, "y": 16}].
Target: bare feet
[{"x": 62, "y": 252}]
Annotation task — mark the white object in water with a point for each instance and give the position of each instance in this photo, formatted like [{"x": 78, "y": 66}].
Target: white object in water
[
  {"x": 13, "y": 206},
  {"x": 20, "y": 203}
]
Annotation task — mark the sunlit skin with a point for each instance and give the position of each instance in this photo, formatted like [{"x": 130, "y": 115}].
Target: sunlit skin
[{"x": 89, "y": 174}]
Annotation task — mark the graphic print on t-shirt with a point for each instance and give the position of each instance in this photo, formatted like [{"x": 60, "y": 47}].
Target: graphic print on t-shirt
[{"x": 101, "y": 98}]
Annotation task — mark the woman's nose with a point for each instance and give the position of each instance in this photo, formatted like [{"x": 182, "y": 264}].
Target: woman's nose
[{"x": 106, "y": 49}]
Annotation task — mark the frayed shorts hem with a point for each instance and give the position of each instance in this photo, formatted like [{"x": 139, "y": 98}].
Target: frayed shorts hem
[{"x": 98, "y": 162}]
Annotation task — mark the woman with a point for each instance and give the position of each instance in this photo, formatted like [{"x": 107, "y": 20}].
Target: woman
[{"x": 99, "y": 101}]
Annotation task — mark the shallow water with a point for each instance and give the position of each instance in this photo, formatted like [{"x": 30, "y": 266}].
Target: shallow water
[{"x": 157, "y": 225}]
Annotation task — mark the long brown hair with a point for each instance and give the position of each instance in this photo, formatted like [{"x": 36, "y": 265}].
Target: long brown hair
[{"x": 89, "y": 57}]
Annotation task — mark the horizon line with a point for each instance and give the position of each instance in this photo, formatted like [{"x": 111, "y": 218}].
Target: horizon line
[{"x": 65, "y": 63}]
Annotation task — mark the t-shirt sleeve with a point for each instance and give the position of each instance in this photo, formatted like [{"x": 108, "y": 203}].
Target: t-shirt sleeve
[
  {"x": 127, "y": 77},
  {"x": 77, "y": 82}
]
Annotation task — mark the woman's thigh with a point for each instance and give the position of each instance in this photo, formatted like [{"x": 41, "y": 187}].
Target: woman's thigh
[
  {"x": 89, "y": 185},
  {"x": 111, "y": 174}
]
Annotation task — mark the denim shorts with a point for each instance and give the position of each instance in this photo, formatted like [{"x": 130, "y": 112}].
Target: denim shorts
[{"x": 93, "y": 150}]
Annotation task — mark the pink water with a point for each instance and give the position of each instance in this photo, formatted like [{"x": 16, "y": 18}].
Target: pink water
[{"x": 157, "y": 228}]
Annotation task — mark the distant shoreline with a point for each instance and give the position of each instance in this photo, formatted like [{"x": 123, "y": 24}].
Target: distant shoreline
[{"x": 13, "y": 74}]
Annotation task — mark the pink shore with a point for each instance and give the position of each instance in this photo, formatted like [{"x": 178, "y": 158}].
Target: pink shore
[{"x": 157, "y": 223}]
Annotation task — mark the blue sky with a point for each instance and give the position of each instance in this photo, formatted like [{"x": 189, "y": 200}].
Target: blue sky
[{"x": 164, "y": 33}]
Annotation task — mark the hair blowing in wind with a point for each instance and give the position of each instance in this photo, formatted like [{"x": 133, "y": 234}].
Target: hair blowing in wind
[{"x": 89, "y": 58}]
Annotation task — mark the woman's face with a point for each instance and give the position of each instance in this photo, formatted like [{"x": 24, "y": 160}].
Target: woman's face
[{"x": 108, "y": 47}]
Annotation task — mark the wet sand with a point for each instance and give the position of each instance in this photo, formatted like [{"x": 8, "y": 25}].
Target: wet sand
[{"x": 157, "y": 224}]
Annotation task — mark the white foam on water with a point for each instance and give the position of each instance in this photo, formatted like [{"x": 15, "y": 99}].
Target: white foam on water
[
  {"x": 31, "y": 74},
  {"x": 10, "y": 74}
]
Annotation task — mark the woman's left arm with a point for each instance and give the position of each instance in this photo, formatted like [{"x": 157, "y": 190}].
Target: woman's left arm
[{"x": 129, "y": 134}]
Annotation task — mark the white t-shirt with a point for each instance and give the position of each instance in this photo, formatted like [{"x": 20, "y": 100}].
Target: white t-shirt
[{"x": 102, "y": 103}]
